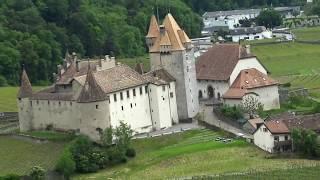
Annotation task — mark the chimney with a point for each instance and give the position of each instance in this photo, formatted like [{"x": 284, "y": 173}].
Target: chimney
[
  {"x": 59, "y": 70},
  {"x": 248, "y": 49},
  {"x": 107, "y": 58},
  {"x": 77, "y": 66},
  {"x": 74, "y": 56}
]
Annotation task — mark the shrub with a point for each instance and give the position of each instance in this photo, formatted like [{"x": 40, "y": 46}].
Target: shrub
[
  {"x": 130, "y": 152},
  {"x": 37, "y": 173},
  {"x": 234, "y": 112},
  {"x": 66, "y": 164},
  {"x": 117, "y": 156}
]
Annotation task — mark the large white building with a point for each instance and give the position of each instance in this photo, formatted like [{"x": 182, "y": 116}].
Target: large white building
[
  {"x": 230, "y": 73},
  {"x": 91, "y": 96},
  {"x": 250, "y": 33}
]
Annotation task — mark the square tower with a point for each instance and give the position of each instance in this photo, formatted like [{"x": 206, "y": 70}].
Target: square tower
[{"x": 170, "y": 48}]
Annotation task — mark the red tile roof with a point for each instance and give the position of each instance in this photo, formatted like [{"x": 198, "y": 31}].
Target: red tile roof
[
  {"x": 277, "y": 127},
  {"x": 219, "y": 61}
]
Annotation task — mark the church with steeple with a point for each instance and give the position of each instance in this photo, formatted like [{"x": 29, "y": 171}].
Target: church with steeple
[{"x": 170, "y": 49}]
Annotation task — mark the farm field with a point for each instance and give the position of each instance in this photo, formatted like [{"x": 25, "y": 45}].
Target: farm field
[
  {"x": 195, "y": 153},
  {"x": 17, "y": 156},
  {"x": 308, "y": 34},
  {"x": 287, "y": 59},
  {"x": 8, "y": 96}
]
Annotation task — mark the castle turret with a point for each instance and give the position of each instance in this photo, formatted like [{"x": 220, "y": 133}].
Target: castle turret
[
  {"x": 153, "y": 32},
  {"x": 173, "y": 51},
  {"x": 25, "y": 103},
  {"x": 93, "y": 108}
]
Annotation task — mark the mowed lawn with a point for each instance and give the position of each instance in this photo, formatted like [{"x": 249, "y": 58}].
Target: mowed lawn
[
  {"x": 308, "y": 34},
  {"x": 289, "y": 58},
  {"x": 19, "y": 156},
  {"x": 194, "y": 153},
  {"x": 8, "y": 98}
]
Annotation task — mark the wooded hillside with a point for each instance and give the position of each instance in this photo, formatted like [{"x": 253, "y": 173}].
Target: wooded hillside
[{"x": 37, "y": 33}]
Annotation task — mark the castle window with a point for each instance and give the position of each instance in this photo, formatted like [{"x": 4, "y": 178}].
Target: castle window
[
  {"x": 163, "y": 88},
  {"x": 146, "y": 89},
  {"x": 122, "y": 108},
  {"x": 70, "y": 103},
  {"x": 97, "y": 106},
  {"x": 163, "y": 99},
  {"x": 37, "y": 102},
  {"x": 31, "y": 103},
  {"x": 121, "y": 95},
  {"x": 19, "y": 99},
  {"x": 131, "y": 105},
  {"x": 187, "y": 67},
  {"x": 171, "y": 94},
  {"x": 128, "y": 94},
  {"x": 140, "y": 90},
  {"x": 48, "y": 102},
  {"x": 59, "y": 103},
  {"x": 115, "y": 97},
  {"x": 134, "y": 92}
]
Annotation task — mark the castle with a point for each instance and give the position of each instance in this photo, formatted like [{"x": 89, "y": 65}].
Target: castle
[
  {"x": 89, "y": 96},
  {"x": 170, "y": 48}
]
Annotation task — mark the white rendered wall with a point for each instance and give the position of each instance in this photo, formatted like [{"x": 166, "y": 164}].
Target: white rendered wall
[
  {"x": 268, "y": 96},
  {"x": 25, "y": 114},
  {"x": 237, "y": 38},
  {"x": 138, "y": 116},
  {"x": 247, "y": 63},
  {"x": 264, "y": 140},
  {"x": 173, "y": 103},
  {"x": 218, "y": 86}
]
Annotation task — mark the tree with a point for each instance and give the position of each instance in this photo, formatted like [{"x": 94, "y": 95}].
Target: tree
[
  {"x": 245, "y": 22},
  {"x": 269, "y": 18},
  {"x": 123, "y": 135},
  {"x": 107, "y": 137},
  {"x": 37, "y": 173},
  {"x": 251, "y": 105},
  {"x": 305, "y": 141},
  {"x": 66, "y": 164}
]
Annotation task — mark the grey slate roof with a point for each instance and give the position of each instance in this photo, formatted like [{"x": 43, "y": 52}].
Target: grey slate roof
[
  {"x": 91, "y": 91},
  {"x": 25, "y": 87},
  {"x": 230, "y": 13},
  {"x": 159, "y": 77}
]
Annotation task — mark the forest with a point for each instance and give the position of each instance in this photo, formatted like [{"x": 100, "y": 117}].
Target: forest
[{"x": 37, "y": 33}]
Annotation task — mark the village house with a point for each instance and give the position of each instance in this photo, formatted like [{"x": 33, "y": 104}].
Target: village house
[
  {"x": 273, "y": 136},
  {"x": 249, "y": 33},
  {"x": 230, "y": 73},
  {"x": 92, "y": 95}
]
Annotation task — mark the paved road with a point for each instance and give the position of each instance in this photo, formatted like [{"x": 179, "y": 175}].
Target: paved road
[
  {"x": 174, "y": 129},
  {"x": 212, "y": 119}
]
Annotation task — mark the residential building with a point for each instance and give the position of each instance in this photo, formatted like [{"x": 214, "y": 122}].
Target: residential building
[
  {"x": 250, "y": 33},
  {"x": 230, "y": 73},
  {"x": 273, "y": 136}
]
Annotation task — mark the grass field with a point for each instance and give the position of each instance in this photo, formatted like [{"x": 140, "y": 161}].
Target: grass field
[
  {"x": 308, "y": 34},
  {"x": 194, "y": 153},
  {"x": 289, "y": 58},
  {"x": 18, "y": 156},
  {"x": 8, "y": 97}
]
